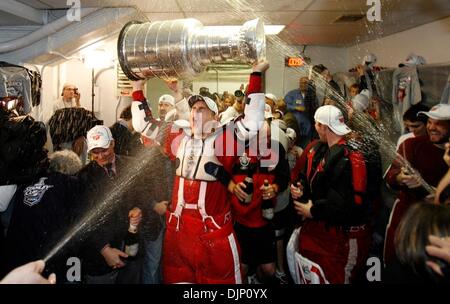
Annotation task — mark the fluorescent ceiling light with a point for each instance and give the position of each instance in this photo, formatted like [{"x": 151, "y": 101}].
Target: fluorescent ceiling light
[
  {"x": 273, "y": 29},
  {"x": 268, "y": 29},
  {"x": 97, "y": 59}
]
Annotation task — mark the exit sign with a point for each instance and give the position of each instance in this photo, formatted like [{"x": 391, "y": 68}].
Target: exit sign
[{"x": 294, "y": 61}]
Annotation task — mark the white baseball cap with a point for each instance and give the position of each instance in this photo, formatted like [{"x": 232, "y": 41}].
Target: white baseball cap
[
  {"x": 371, "y": 58},
  {"x": 166, "y": 98},
  {"x": 332, "y": 117},
  {"x": 360, "y": 102},
  {"x": 209, "y": 102},
  {"x": 291, "y": 134},
  {"x": 438, "y": 112},
  {"x": 99, "y": 137},
  {"x": 271, "y": 97},
  {"x": 414, "y": 59},
  {"x": 267, "y": 111}
]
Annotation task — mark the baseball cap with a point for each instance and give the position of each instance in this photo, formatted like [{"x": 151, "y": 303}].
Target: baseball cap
[
  {"x": 332, "y": 117},
  {"x": 291, "y": 134},
  {"x": 68, "y": 84},
  {"x": 370, "y": 58},
  {"x": 360, "y": 102},
  {"x": 267, "y": 111},
  {"x": 271, "y": 96},
  {"x": 166, "y": 98},
  {"x": 99, "y": 137},
  {"x": 414, "y": 59},
  {"x": 209, "y": 102},
  {"x": 438, "y": 112}
]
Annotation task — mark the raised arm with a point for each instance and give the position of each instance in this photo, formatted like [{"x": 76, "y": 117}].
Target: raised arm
[{"x": 253, "y": 119}]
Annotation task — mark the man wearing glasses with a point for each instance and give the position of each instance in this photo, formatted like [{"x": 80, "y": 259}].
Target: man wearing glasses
[{"x": 70, "y": 98}]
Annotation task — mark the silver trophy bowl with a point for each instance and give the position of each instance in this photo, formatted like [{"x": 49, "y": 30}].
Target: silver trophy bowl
[{"x": 183, "y": 48}]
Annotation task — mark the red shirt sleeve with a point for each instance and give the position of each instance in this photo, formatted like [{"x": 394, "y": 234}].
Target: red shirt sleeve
[
  {"x": 301, "y": 163},
  {"x": 255, "y": 85},
  {"x": 138, "y": 96}
]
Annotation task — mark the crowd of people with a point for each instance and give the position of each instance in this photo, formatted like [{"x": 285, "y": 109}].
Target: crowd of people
[{"x": 231, "y": 189}]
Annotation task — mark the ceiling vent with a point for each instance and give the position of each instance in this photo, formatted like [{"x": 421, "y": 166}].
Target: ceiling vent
[{"x": 349, "y": 18}]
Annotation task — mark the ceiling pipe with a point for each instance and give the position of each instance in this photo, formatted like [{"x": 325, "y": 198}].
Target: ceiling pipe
[
  {"x": 22, "y": 11},
  {"x": 44, "y": 31}
]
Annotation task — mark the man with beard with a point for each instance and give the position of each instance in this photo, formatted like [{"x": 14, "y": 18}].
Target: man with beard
[
  {"x": 425, "y": 154},
  {"x": 166, "y": 107}
]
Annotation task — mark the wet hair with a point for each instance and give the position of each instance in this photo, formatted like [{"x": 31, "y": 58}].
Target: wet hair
[
  {"x": 411, "y": 113},
  {"x": 204, "y": 91},
  {"x": 421, "y": 220},
  {"x": 65, "y": 162},
  {"x": 238, "y": 93},
  {"x": 281, "y": 105},
  {"x": 126, "y": 113},
  {"x": 319, "y": 68},
  {"x": 355, "y": 86}
]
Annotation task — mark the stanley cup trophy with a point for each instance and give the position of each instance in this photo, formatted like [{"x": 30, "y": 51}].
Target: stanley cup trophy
[{"x": 183, "y": 48}]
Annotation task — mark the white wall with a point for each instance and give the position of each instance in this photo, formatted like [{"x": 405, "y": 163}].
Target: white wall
[
  {"x": 74, "y": 71},
  {"x": 431, "y": 40},
  {"x": 221, "y": 81},
  {"x": 281, "y": 79}
]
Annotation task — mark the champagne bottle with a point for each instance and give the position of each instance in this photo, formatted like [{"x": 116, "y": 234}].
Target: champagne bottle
[
  {"x": 132, "y": 241},
  {"x": 267, "y": 205},
  {"x": 248, "y": 182}
]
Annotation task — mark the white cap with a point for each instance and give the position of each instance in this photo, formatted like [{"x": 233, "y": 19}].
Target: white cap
[
  {"x": 99, "y": 137},
  {"x": 367, "y": 93},
  {"x": 332, "y": 117},
  {"x": 166, "y": 98},
  {"x": 360, "y": 102},
  {"x": 370, "y": 58},
  {"x": 209, "y": 102},
  {"x": 68, "y": 84},
  {"x": 438, "y": 112},
  {"x": 271, "y": 97},
  {"x": 291, "y": 134},
  {"x": 414, "y": 59},
  {"x": 267, "y": 111}
]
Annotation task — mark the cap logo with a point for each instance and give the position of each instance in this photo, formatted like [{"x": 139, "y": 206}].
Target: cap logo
[
  {"x": 341, "y": 119},
  {"x": 434, "y": 108},
  {"x": 96, "y": 136}
]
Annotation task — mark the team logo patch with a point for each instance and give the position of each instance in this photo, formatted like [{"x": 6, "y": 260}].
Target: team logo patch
[
  {"x": 96, "y": 136},
  {"x": 33, "y": 194},
  {"x": 244, "y": 160}
]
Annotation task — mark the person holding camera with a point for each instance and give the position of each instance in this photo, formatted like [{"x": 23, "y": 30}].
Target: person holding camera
[
  {"x": 66, "y": 122},
  {"x": 70, "y": 98}
]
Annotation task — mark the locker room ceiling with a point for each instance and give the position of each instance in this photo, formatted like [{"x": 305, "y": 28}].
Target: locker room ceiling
[{"x": 309, "y": 22}]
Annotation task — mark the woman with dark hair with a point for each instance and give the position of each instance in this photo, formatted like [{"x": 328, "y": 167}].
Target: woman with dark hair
[{"x": 412, "y": 237}]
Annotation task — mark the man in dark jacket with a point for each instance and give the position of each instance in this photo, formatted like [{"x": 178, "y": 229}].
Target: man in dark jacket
[
  {"x": 334, "y": 239},
  {"x": 126, "y": 141},
  {"x": 111, "y": 212},
  {"x": 42, "y": 211}
]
